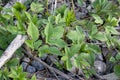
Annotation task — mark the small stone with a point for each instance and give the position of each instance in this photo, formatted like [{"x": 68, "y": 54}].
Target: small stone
[
  {"x": 99, "y": 57},
  {"x": 75, "y": 70},
  {"x": 92, "y": 1},
  {"x": 25, "y": 59},
  {"x": 100, "y": 67},
  {"x": 37, "y": 65},
  {"x": 78, "y": 14},
  {"x": 31, "y": 69},
  {"x": 110, "y": 76},
  {"x": 24, "y": 65}
]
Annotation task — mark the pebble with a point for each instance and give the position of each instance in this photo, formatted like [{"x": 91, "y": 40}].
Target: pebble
[
  {"x": 31, "y": 69},
  {"x": 99, "y": 57},
  {"x": 37, "y": 65},
  {"x": 92, "y": 1},
  {"x": 26, "y": 59},
  {"x": 110, "y": 76},
  {"x": 75, "y": 70},
  {"x": 100, "y": 67},
  {"x": 24, "y": 65}
]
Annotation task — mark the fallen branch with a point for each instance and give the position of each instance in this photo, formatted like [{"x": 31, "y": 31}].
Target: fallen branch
[
  {"x": 14, "y": 45},
  {"x": 29, "y": 54}
]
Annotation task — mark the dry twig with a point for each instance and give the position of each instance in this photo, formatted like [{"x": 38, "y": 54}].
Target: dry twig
[
  {"x": 14, "y": 45},
  {"x": 28, "y": 52}
]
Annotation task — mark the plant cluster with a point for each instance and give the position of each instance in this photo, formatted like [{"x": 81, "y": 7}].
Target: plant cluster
[{"x": 76, "y": 42}]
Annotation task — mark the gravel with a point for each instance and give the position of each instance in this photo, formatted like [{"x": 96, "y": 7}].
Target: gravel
[
  {"x": 100, "y": 67},
  {"x": 31, "y": 69},
  {"x": 24, "y": 65},
  {"x": 37, "y": 65}
]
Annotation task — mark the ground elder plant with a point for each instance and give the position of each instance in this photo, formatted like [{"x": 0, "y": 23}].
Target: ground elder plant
[{"x": 76, "y": 42}]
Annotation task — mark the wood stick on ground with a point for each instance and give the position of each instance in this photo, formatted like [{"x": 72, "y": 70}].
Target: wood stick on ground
[
  {"x": 14, "y": 45},
  {"x": 29, "y": 54}
]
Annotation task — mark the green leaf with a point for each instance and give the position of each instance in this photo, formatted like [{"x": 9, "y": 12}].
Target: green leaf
[
  {"x": 21, "y": 28},
  {"x": 58, "y": 42},
  {"x": 16, "y": 29},
  {"x": 36, "y": 7},
  {"x": 100, "y": 36},
  {"x": 117, "y": 70},
  {"x": 102, "y": 7},
  {"x": 33, "y": 77},
  {"x": 87, "y": 57},
  {"x": 108, "y": 42},
  {"x": 77, "y": 63},
  {"x": 35, "y": 19},
  {"x": 44, "y": 21},
  {"x": 68, "y": 55},
  {"x": 61, "y": 10},
  {"x": 69, "y": 16},
  {"x": 19, "y": 7},
  {"x": 53, "y": 33},
  {"x": 37, "y": 44},
  {"x": 12, "y": 29},
  {"x": 94, "y": 48},
  {"x": 57, "y": 32},
  {"x": 97, "y": 19},
  {"x": 28, "y": 16},
  {"x": 83, "y": 56},
  {"x": 119, "y": 1},
  {"x": 118, "y": 56},
  {"x": 17, "y": 73},
  {"x": 91, "y": 58},
  {"x": 43, "y": 50},
  {"x": 94, "y": 30},
  {"x": 33, "y": 31},
  {"x": 112, "y": 59},
  {"x": 1, "y": 8},
  {"x": 82, "y": 60},
  {"x": 17, "y": 14},
  {"x": 84, "y": 63},
  {"x": 68, "y": 64},
  {"x": 54, "y": 50},
  {"x": 13, "y": 62},
  {"x": 75, "y": 49},
  {"x": 57, "y": 18},
  {"x": 13, "y": 75},
  {"x": 1, "y": 52},
  {"x": 112, "y": 30},
  {"x": 87, "y": 74},
  {"x": 112, "y": 21},
  {"x": 29, "y": 43},
  {"x": 76, "y": 35},
  {"x": 92, "y": 71},
  {"x": 80, "y": 31},
  {"x": 80, "y": 2},
  {"x": 51, "y": 19},
  {"x": 72, "y": 35},
  {"x": 7, "y": 16},
  {"x": 64, "y": 58},
  {"x": 51, "y": 50},
  {"x": 4, "y": 74},
  {"x": 48, "y": 31}
]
